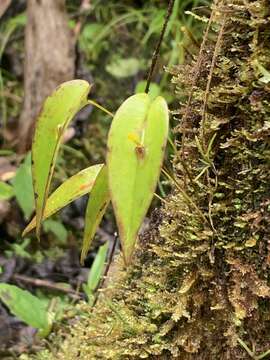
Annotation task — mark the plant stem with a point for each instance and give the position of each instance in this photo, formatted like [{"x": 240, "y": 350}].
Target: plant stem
[
  {"x": 262, "y": 356},
  {"x": 160, "y": 198},
  {"x": 244, "y": 346},
  {"x": 157, "y": 50},
  {"x": 91, "y": 102}
]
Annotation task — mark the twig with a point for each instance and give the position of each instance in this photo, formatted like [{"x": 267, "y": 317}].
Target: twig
[
  {"x": 157, "y": 50},
  {"x": 160, "y": 198},
  {"x": 197, "y": 72},
  {"x": 182, "y": 162},
  {"x": 210, "y": 76},
  {"x": 244, "y": 346},
  {"x": 47, "y": 284},
  {"x": 193, "y": 86}
]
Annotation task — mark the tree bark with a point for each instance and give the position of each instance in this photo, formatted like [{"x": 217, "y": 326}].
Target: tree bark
[
  {"x": 3, "y": 6},
  {"x": 49, "y": 59}
]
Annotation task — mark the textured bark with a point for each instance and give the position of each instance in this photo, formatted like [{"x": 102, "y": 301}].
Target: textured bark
[
  {"x": 49, "y": 59},
  {"x": 3, "y": 6}
]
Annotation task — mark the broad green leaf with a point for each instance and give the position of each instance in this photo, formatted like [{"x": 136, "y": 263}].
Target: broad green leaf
[
  {"x": 26, "y": 307},
  {"x": 73, "y": 188},
  {"x": 136, "y": 145},
  {"x": 6, "y": 191},
  {"x": 23, "y": 187},
  {"x": 96, "y": 271},
  {"x": 58, "y": 110},
  {"x": 96, "y": 207}
]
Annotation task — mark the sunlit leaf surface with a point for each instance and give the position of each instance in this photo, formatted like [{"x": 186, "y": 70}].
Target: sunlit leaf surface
[
  {"x": 136, "y": 145},
  {"x": 57, "y": 112}
]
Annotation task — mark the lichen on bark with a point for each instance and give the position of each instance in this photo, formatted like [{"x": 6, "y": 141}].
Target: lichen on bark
[{"x": 199, "y": 285}]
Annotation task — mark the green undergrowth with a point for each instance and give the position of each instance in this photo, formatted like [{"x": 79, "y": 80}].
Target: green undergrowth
[{"x": 198, "y": 287}]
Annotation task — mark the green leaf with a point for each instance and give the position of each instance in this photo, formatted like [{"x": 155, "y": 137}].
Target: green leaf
[
  {"x": 122, "y": 68},
  {"x": 23, "y": 187},
  {"x": 136, "y": 145},
  {"x": 58, "y": 110},
  {"x": 90, "y": 31},
  {"x": 26, "y": 307},
  {"x": 73, "y": 188},
  {"x": 20, "y": 249},
  {"x": 18, "y": 20},
  {"x": 96, "y": 271},
  {"x": 57, "y": 228},
  {"x": 97, "y": 267},
  {"x": 6, "y": 191},
  {"x": 96, "y": 207}
]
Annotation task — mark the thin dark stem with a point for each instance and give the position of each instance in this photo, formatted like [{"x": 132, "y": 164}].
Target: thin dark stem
[
  {"x": 101, "y": 282},
  {"x": 157, "y": 50}
]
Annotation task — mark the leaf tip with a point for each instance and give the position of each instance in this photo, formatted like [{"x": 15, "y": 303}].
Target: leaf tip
[{"x": 25, "y": 231}]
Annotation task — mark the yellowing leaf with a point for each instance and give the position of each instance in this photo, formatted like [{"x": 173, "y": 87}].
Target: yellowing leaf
[
  {"x": 57, "y": 112},
  {"x": 73, "y": 188},
  {"x": 133, "y": 168},
  {"x": 96, "y": 207}
]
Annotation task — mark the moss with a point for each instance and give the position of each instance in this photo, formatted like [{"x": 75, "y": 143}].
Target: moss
[{"x": 199, "y": 284}]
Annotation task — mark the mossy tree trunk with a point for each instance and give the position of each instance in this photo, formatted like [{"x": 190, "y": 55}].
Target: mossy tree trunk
[{"x": 199, "y": 286}]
